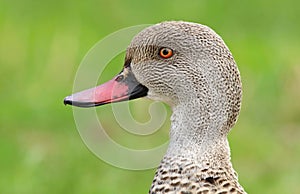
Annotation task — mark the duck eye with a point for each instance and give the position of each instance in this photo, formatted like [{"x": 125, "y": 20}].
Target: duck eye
[{"x": 166, "y": 53}]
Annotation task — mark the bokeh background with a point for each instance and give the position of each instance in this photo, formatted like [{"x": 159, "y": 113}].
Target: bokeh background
[{"x": 43, "y": 42}]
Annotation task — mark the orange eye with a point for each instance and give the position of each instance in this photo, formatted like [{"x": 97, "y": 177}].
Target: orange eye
[{"x": 166, "y": 53}]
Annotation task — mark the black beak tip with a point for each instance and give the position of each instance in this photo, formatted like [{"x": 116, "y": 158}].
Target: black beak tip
[
  {"x": 70, "y": 101},
  {"x": 67, "y": 101}
]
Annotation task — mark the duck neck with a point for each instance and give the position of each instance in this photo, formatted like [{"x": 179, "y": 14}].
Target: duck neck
[{"x": 198, "y": 134}]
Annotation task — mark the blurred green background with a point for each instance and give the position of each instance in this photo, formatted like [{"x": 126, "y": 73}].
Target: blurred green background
[{"x": 43, "y": 42}]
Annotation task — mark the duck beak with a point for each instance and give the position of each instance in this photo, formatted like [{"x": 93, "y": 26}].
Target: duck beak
[{"x": 122, "y": 87}]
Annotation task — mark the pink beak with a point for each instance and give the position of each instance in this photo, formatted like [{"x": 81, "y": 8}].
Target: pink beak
[{"x": 120, "y": 88}]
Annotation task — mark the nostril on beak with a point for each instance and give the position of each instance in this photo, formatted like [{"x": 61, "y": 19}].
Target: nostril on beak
[{"x": 119, "y": 78}]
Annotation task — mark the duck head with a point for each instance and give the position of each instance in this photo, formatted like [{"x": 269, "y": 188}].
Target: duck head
[{"x": 180, "y": 63}]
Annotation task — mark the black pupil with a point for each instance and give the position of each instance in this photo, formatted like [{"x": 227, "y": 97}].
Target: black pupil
[{"x": 165, "y": 52}]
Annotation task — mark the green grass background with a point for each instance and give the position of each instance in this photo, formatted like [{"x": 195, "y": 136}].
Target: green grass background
[{"x": 43, "y": 42}]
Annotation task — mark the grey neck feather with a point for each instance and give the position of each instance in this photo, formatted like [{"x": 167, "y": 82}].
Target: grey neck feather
[{"x": 195, "y": 134}]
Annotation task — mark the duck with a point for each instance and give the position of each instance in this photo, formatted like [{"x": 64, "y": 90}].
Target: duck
[{"x": 189, "y": 67}]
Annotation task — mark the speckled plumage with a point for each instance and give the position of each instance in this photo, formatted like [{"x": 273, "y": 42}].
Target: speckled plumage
[{"x": 201, "y": 83}]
